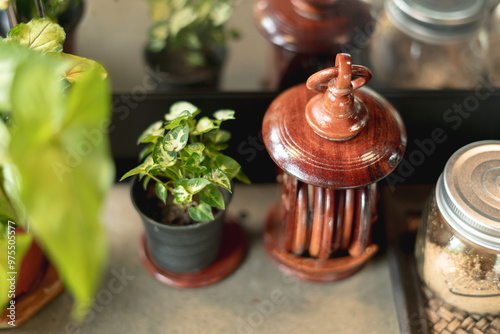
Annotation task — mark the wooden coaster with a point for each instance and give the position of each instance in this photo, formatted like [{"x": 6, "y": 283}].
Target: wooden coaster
[
  {"x": 309, "y": 269},
  {"x": 233, "y": 246},
  {"x": 28, "y": 304}
]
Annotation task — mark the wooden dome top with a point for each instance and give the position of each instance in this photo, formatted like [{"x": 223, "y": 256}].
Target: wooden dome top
[{"x": 332, "y": 132}]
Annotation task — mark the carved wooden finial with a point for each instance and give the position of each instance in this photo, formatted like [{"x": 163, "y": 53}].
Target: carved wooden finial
[{"x": 334, "y": 113}]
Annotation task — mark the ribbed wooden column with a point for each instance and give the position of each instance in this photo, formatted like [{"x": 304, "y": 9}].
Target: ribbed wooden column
[{"x": 324, "y": 223}]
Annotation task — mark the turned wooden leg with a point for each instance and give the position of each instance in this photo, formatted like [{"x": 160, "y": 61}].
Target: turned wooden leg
[
  {"x": 339, "y": 219},
  {"x": 318, "y": 220},
  {"x": 290, "y": 219},
  {"x": 328, "y": 225},
  {"x": 301, "y": 217},
  {"x": 348, "y": 218},
  {"x": 361, "y": 222}
]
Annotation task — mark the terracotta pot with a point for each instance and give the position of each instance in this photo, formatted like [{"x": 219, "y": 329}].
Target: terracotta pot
[
  {"x": 182, "y": 249},
  {"x": 32, "y": 267}
]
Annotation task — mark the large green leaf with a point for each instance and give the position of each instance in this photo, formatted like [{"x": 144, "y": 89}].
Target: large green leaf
[
  {"x": 180, "y": 119},
  {"x": 136, "y": 170},
  {"x": 158, "y": 33},
  {"x": 182, "y": 195},
  {"x": 242, "y": 177},
  {"x": 204, "y": 125},
  {"x": 159, "y": 10},
  {"x": 224, "y": 114},
  {"x": 193, "y": 163},
  {"x": 218, "y": 137},
  {"x": 218, "y": 177},
  {"x": 13, "y": 55},
  {"x": 161, "y": 192},
  {"x": 10, "y": 202},
  {"x": 11, "y": 206},
  {"x": 78, "y": 66},
  {"x": 195, "y": 148},
  {"x": 176, "y": 139},
  {"x": 146, "y": 151},
  {"x": 4, "y": 143},
  {"x": 152, "y": 133},
  {"x": 228, "y": 165},
  {"x": 181, "y": 19},
  {"x": 60, "y": 147},
  {"x": 40, "y": 34},
  {"x": 220, "y": 13},
  {"x": 193, "y": 186},
  {"x": 212, "y": 196},
  {"x": 162, "y": 157},
  {"x": 178, "y": 108},
  {"x": 201, "y": 212}
]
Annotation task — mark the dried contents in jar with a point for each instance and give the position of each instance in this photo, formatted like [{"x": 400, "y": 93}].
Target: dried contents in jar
[{"x": 463, "y": 276}]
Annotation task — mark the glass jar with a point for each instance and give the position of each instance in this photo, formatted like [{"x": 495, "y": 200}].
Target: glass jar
[
  {"x": 422, "y": 44},
  {"x": 493, "y": 59},
  {"x": 458, "y": 242}
]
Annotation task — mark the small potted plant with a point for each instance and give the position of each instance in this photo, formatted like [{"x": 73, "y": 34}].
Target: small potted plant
[
  {"x": 187, "y": 41},
  {"x": 183, "y": 187}
]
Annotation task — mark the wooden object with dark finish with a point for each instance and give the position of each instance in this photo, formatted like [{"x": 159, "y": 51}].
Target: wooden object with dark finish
[
  {"x": 307, "y": 34},
  {"x": 333, "y": 147}
]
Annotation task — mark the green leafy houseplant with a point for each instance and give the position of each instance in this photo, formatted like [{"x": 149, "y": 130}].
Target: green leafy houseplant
[
  {"x": 55, "y": 162},
  {"x": 181, "y": 188},
  {"x": 183, "y": 159},
  {"x": 188, "y": 37}
]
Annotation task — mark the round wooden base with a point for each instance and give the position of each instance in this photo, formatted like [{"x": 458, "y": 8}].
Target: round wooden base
[
  {"x": 28, "y": 304},
  {"x": 232, "y": 251},
  {"x": 305, "y": 268}
]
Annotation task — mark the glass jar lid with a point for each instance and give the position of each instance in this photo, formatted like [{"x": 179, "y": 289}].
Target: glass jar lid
[
  {"x": 468, "y": 192},
  {"x": 437, "y": 21}
]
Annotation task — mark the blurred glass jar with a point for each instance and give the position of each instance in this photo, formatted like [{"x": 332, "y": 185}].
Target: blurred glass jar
[
  {"x": 493, "y": 59},
  {"x": 458, "y": 242},
  {"x": 423, "y": 44}
]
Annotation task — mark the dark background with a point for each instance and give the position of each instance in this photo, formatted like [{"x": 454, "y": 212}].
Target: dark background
[{"x": 424, "y": 114}]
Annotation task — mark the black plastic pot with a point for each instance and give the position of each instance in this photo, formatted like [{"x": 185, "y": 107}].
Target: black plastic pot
[
  {"x": 180, "y": 249},
  {"x": 171, "y": 71}
]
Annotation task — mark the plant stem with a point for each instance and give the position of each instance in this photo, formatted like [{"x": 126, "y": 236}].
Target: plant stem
[{"x": 154, "y": 178}]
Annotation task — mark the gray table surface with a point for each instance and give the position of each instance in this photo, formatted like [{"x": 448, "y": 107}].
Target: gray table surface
[{"x": 132, "y": 301}]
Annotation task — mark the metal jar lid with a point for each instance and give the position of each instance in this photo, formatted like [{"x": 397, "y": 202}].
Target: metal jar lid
[
  {"x": 468, "y": 192},
  {"x": 437, "y": 21}
]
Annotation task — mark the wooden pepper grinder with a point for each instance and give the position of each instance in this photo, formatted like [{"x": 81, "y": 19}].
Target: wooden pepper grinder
[
  {"x": 307, "y": 34},
  {"x": 334, "y": 139}
]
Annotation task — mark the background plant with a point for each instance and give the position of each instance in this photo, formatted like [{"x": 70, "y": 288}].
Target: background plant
[
  {"x": 183, "y": 157},
  {"x": 194, "y": 26},
  {"x": 29, "y": 9},
  {"x": 50, "y": 103}
]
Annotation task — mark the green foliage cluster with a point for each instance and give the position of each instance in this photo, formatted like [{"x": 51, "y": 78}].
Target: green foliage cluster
[
  {"x": 51, "y": 104},
  {"x": 183, "y": 157},
  {"x": 191, "y": 25}
]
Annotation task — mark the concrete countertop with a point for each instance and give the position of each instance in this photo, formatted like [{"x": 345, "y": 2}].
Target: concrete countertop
[{"x": 132, "y": 301}]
